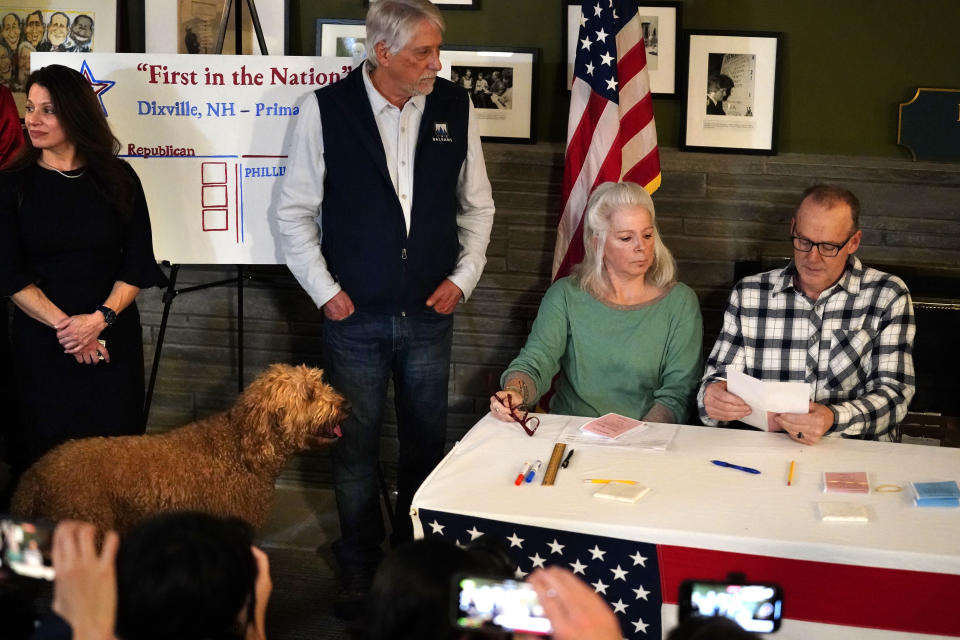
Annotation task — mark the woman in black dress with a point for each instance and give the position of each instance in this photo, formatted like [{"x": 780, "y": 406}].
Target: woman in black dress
[{"x": 75, "y": 249}]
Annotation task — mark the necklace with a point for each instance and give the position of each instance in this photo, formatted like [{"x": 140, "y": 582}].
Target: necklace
[{"x": 64, "y": 174}]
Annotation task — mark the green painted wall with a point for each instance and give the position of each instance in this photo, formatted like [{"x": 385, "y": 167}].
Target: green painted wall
[{"x": 846, "y": 64}]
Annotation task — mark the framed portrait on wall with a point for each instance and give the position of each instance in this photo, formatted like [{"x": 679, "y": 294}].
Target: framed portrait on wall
[
  {"x": 341, "y": 38},
  {"x": 192, "y": 26},
  {"x": 660, "y": 22},
  {"x": 500, "y": 82},
  {"x": 730, "y": 104},
  {"x": 26, "y": 26}
]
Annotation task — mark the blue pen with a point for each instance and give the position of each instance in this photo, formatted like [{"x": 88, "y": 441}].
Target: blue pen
[
  {"x": 533, "y": 471},
  {"x": 721, "y": 463}
]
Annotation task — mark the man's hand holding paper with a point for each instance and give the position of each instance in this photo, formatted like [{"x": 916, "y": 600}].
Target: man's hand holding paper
[{"x": 767, "y": 402}]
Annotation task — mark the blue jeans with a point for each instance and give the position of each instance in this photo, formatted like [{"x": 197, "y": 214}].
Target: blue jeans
[{"x": 361, "y": 354}]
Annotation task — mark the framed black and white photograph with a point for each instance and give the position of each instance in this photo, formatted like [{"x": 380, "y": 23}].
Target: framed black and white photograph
[
  {"x": 731, "y": 92},
  {"x": 445, "y": 4},
  {"x": 192, "y": 26},
  {"x": 341, "y": 39},
  {"x": 661, "y": 22},
  {"x": 28, "y": 26},
  {"x": 501, "y": 84}
]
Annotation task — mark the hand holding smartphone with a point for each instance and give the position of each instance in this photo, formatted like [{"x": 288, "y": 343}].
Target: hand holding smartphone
[
  {"x": 25, "y": 547},
  {"x": 755, "y": 607},
  {"x": 493, "y": 604}
]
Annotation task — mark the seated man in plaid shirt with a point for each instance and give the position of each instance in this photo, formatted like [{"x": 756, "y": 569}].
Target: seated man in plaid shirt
[{"x": 824, "y": 319}]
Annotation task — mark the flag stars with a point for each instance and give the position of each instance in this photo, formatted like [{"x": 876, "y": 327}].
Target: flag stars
[
  {"x": 641, "y": 593},
  {"x": 585, "y": 43},
  {"x": 537, "y": 560},
  {"x": 619, "y": 574},
  {"x": 515, "y": 541},
  {"x": 555, "y": 547},
  {"x": 578, "y": 567},
  {"x": 606, "y": 59},
  {"x": 602, "y": 35},
  {"x": 619, "y": 606},
  {"x": 583, "y": 20},
  {"x": 474, "y": 533},
  {"x": 611, "y": 84},
  {"x": 520, "y": 574},
  {"x": 596, "y": 553},
  {"x": 436, "y": 527},
  {"x": 639, "y": 625},
  {"x": 599, "y": 587},
  {"x": 590, "y": 68},
  {"x": 597, "y": 11},
  {"x": 639, "y": 559}
]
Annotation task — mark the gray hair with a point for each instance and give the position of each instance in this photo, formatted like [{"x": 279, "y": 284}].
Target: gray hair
[
  {"x": 393, "y": 23},
  {"x": 607, "y": 199}
]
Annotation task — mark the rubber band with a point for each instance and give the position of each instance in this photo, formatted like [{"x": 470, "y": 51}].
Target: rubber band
[{"x": 888, "y": 488}]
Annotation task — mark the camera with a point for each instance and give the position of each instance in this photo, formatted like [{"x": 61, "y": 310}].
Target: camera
[
  {"x": 494, "y": 604},
  {"x": 755, "y": 607},
  {"x": 25, "y": 547}
]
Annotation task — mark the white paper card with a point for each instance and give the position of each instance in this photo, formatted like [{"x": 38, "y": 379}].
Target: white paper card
[{"x": 763, "y": 397}]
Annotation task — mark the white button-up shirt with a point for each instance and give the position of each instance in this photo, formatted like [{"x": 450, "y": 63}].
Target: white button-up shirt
[{"x": 297, "y": 211}]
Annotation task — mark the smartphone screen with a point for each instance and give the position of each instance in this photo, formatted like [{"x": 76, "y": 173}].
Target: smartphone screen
[
  {"x": 494, "y": 604},
  {"x": 755, "y": 607},
  {"x": 26, "y": 547}
]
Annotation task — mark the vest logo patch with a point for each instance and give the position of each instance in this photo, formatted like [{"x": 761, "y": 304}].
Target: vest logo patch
[{"x": 441, "y": 132}]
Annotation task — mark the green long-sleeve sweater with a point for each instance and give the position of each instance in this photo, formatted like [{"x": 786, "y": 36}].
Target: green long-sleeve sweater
[{"x": 614, "y": 359}]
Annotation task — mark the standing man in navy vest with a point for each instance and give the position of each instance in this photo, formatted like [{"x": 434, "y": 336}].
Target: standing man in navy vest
[{"x": 384, "y": 217}]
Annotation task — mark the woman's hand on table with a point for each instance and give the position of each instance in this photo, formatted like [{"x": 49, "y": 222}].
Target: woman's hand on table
[
  {"x": 574, "y": 609},
  {"x": 76, "y": 332},
  {"x": 499, "y": 407}
]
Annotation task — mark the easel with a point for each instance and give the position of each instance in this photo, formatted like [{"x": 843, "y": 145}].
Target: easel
[{"x": 172, "y": 292}]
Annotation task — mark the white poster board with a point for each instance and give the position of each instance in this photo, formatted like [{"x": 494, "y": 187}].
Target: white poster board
[{"x": 207, "y": 135}]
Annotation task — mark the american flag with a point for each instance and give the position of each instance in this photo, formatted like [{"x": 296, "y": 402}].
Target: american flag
[
  {"x": 611, "y": 135},
  {"x": 623, "y": 572}
]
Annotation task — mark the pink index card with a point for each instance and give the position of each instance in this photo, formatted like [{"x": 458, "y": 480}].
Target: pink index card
[{"x": 612, "y": 425}]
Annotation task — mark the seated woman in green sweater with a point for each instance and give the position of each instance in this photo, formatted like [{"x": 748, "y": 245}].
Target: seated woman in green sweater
[{"x": 624, "y": 335}]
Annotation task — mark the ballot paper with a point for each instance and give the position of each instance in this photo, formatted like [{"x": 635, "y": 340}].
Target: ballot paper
[
  {"x": 768, "y": 398},
  {"x": 613, "y": 425}
]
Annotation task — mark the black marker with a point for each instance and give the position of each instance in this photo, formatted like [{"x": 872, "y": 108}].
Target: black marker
[{"x": 566, "y": 461}]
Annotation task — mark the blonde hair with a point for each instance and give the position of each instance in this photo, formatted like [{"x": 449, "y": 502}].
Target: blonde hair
[{"x": 607, "y": 199}]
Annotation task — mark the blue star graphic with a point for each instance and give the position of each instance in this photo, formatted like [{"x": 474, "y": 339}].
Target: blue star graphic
[{"x": 99, "y": 86}]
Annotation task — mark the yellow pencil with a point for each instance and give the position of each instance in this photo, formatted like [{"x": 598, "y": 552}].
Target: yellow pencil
[
  {"x": 605, "y": 481},
  {"x": 793, "y": 465}
]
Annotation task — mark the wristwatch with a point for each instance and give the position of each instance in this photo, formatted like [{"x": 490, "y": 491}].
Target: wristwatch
[{"x": 108, "y": 314}]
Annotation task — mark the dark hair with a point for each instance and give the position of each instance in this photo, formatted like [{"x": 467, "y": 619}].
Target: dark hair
[
  {"x": 81, "y": 117},
  {"x": 829, "y": 195},
  {"x": 719, "y": 81},
  {"x": 410, "y": 596},
  {"x": 59, "y": 13},
  {"x": 186, "y": 576}
]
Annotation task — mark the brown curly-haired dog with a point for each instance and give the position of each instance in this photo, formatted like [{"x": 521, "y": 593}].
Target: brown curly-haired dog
[{"x": 224, "y": 465}]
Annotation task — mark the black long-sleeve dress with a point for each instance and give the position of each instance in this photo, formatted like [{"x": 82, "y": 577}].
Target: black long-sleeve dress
[{"x": 59, "y": 231}]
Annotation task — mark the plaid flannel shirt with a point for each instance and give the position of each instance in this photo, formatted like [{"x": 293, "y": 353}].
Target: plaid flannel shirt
[{"x": 853, "y": 345}]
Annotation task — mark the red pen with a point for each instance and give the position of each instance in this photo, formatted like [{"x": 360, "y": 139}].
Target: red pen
[{"x": 523, "y": 472}]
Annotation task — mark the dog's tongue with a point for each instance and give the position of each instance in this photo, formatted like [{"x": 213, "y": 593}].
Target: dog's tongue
[{"x": 337, "y": 431}]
